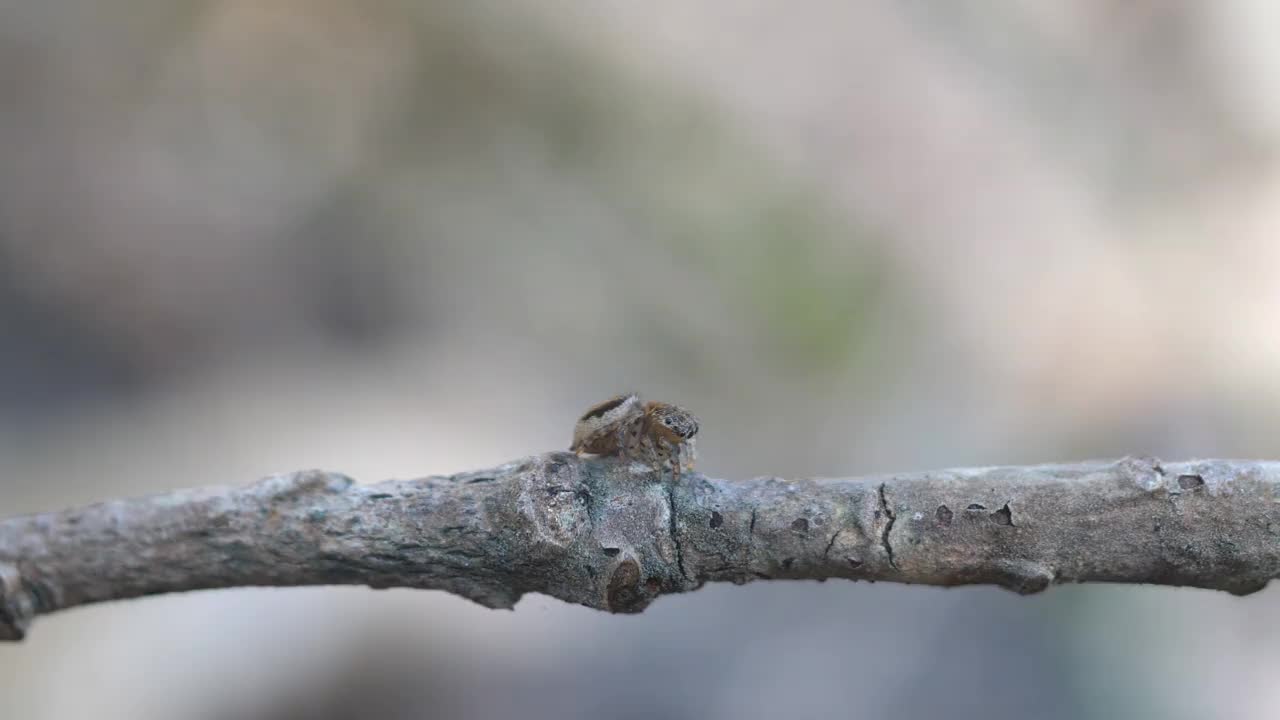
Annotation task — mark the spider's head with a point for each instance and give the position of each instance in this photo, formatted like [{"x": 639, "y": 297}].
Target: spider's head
[{"x": 671, "y": 422}]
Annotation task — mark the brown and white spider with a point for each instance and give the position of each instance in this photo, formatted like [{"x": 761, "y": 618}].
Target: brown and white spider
[{"x": 626, "y": 427}]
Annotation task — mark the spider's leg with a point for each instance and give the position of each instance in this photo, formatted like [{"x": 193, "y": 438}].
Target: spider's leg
[
  {"x": 622, "y": 442},
  {"x": 657, "y": 456},
  {"x": 637, "y": 439}
]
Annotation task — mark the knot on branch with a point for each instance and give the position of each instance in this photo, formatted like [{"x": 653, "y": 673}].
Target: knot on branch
[
  {"x": 1024, "y": 577},
  {"x": 300, "y": 484},
  {"x": 606, "y": 530},
  {"x": 555, "y": 499}
]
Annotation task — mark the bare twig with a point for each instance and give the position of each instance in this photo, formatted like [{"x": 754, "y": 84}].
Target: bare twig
[{"x": 615, "y": 536}]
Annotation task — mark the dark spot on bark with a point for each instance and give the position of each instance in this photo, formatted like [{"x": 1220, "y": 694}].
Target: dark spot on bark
[
  {"x": 800, "y": 525},
  {"x": 1190, "y": 482},
  {"x": 612, "y": 551},
  {"x": 944, "y": 515},
  {"x": 1003, "y": 516},
  {"x": 818, "y": 522},
  {"x": 976, "y": 506},
  {"x": 653, "y": 585},
  {"x": 583, "y": 494},
  {"x": 380, "y": 496},
  {"x": 788, "y": 562},
  {"x": 853, "y": 562},
  {"x": 716, "y": 519},
  {"x": 481, "y": 479},
  {"x": 624, "y": 594}
]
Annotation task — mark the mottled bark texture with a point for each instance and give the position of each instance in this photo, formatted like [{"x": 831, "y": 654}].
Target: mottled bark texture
[{"x": 614, "y": 536}]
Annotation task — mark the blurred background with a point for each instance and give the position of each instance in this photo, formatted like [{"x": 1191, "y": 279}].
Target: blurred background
[{"x": 396, "y": 238}]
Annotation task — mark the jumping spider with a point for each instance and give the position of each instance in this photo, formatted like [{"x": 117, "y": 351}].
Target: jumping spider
[{"x": 626, "y": 427}]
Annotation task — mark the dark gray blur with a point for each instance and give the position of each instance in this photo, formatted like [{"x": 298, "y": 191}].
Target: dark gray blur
[{"x": 398, "y": 238}]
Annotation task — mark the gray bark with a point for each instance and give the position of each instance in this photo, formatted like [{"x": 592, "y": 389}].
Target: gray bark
[{"x": 615, "y": 536}]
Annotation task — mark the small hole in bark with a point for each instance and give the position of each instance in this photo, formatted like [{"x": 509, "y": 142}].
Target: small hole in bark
[
  {"x": 943, "y": 515},
  {"x": 1003, "y": 516},
  {"x": 1190, "y": 482},
  {"x": 612, "y": 551},
  {"x": 853, "y": 562},
  {"x": 788, "y": 562},
  {"x": 800, "y": 525},
  {"x": 716, "y": 519},
  {"x": 976, "y": 506}
]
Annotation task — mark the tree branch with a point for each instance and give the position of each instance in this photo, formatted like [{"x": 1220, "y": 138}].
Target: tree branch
[{"x": 614, "y": 536}]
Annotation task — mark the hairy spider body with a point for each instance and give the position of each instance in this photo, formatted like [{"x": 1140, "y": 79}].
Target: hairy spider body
[
  {"x": 623, "y": 426},
  {"x": 606, "y": 428}
]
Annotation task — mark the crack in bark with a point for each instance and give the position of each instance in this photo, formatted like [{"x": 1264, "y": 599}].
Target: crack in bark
[
  {"x": 831, "y": 544},
  {"x": 888, "y": 526},
  {"x": 675, "y": 536}
]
